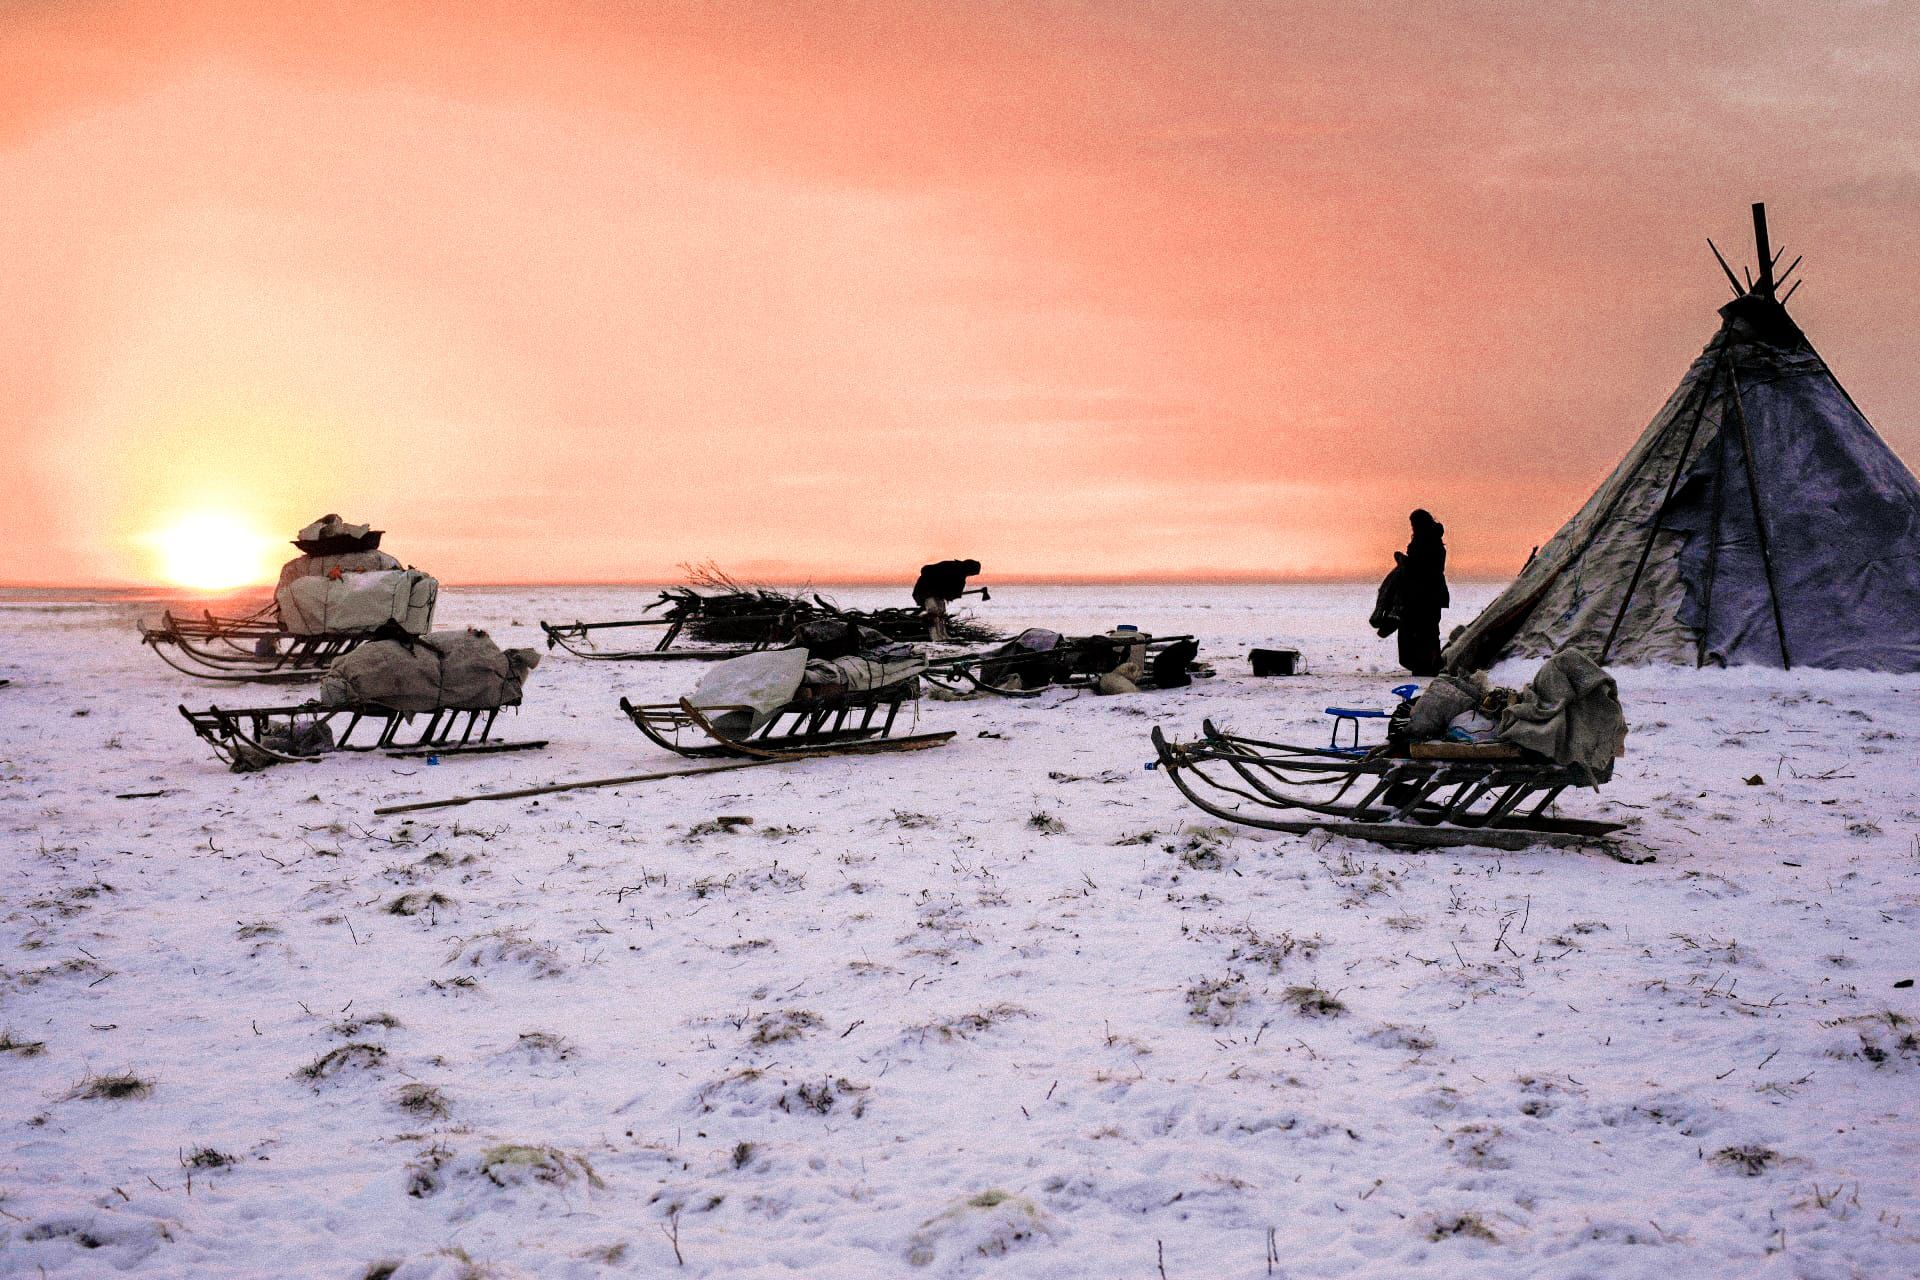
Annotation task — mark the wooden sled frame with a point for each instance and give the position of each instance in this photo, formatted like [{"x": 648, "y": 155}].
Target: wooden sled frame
[
  {"x": 239, "y": 736},
  {"x": 577, "y": 638},
  {"x": 849, "y": 723},
  {"x": 230, "y": 649},
  {"x": 971, "y": 672},
  {"x": 1498, "y": 802}
]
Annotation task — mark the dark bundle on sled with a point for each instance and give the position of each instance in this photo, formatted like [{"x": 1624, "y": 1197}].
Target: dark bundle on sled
[
  {"x": 726, "y": 618},
  {"x": 1037, "y": 660}
]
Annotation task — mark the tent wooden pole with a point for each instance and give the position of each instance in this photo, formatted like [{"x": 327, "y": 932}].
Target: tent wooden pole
[
  {"x": 1646, "y": 549},
  {"x": 1753, "y": 496},
  {"x": 1713, "y": 551},
  {"x": 1732, "y": 279},
  {"x": 523, "y": 792},
  {"x": 1765, "y": 287}
]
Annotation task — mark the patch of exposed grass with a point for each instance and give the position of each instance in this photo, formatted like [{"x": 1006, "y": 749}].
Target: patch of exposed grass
[
  {"x": 419, "y": 902},
  {"x": 9, "y": 1043},
  {"x": 358, "y": 1056},
  {"x": 206, "y": 1158},
  {"x": 787, "y": 1024},
  {"x": 1465, "y": 1224},
  {"x": 1750, "y": 1160},
  {"x": 1314, "y": 1002},
  {"x": 119, "y": 1086},
  {"x": 347, "y": 1028},
  {"x": 970, "y": 1024},
  {"x": 1216, "y": 1001},
  {"x": 422, "y": 1100}
]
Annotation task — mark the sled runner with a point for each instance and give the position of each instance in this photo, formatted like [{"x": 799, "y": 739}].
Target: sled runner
[
  {"x": 254, "y": 647},
  {"x": 1436, "y": 794},
  {"x": 255, "y": 737}
]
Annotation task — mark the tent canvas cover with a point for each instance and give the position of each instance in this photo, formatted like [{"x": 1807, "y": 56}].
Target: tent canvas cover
[{"x": 1758, "y": 520}]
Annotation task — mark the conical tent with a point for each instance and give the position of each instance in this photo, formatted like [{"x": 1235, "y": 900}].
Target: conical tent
[{"x": 1760, "y": 519}]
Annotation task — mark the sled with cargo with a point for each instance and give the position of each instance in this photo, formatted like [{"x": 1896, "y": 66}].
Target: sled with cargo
[
  {"x": 1037, "y": 660},
  {"x": 1437, "y": 795},
  {"x": 332, "y": 597},
  {"x": 398, "y": 694},
  {"x": 722, "y": 626},
  {"x": 1448, "y": 774},
  {"x": 784, "y": 704}
]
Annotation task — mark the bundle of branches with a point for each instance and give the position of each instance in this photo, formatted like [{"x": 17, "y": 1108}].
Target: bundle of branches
[
  {"x": 721, "y": 609},
  {"x": 912, "y": 624}
]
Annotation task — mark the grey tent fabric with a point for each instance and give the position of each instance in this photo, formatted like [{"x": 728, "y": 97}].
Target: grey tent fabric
[
  {"x": 1570, "y": 713},
  {"x": 1759, "y": 519}
]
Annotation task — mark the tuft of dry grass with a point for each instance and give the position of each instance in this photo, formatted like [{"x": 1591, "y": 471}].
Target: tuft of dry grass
[
  {"x": 25, "y": 1048},
  {"x": 1465, "y": 1224},
  {"x": 420, "y": 902},
  {"x": 788, "y": 1024},
  {"x": 206, "y": 1158},
  {"x": 119, "y": 1086},
  {"x": 423, "y": 1100},
  {"x": 358, "y": 1056},
  {"x": 1750, "y": 1160},
  {"x": 1314, "y": 1002}
]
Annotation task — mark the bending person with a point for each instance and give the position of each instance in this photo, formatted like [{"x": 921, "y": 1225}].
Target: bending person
[{"x": 938, "y": 586}]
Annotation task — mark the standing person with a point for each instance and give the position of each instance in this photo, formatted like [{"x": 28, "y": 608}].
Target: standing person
[
  {"x": 1422, "y": 591},
  {"x": 938, "y": 586}
]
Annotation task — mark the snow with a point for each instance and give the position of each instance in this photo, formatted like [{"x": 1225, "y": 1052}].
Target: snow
[{"x": 1003, "y": 1008}]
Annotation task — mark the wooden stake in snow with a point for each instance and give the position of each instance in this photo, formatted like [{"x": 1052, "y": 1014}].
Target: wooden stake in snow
[{"x": 523, "y": 792}]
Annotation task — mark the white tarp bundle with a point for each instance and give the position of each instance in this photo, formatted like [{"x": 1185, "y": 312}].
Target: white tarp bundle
[
  {"x": 352, "y": 603},
  {"x": 453, "y": 670},
  {"x": 752, "y": 687}
]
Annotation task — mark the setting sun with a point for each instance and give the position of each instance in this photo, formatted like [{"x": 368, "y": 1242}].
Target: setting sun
[{"x": 210, "y": 551}]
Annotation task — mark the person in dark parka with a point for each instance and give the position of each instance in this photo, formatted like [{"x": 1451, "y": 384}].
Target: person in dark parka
[
  {"x": 938, "y": 586},
  {"x": 1422, "y": 595}
]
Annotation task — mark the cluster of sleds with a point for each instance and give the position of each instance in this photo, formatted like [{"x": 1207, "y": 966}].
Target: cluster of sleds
[{"x": 793, "y": 677}]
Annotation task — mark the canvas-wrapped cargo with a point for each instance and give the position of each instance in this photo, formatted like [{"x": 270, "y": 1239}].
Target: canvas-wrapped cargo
[
  {"x": 452, "y": 670},
  {"x": 327, "y": 566},
  {"x": 332, "y": 536},
  {"x": 352, "y": 603}
]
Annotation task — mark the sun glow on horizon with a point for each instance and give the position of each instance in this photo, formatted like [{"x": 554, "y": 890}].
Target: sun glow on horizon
[{"x": 211, "y": 551}]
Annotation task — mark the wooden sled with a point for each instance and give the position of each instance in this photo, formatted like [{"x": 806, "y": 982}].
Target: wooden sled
[
  {"x": 251, "y": 648},
  {"x": 255, "y": 737},
  {"x": 1075, "y": 663},
  {"x": 1450, "y": 794},
  {"x": 751, "y": 620},
  {"x": 841, "y": 724}
]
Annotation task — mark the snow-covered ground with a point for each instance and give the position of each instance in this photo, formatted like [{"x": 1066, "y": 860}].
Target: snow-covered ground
[{"x": 1005, "y": 1008}]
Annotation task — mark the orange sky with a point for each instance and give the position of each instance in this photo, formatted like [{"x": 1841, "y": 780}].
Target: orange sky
[{"x": 582, "y": 292}]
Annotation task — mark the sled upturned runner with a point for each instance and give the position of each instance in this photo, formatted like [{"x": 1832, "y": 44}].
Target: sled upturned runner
[
  {"x": 1437, "y": 795},
  {"x": 254, "y": 647}
]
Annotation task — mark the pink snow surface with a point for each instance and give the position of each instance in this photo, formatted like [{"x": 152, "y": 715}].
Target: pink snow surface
[{"x": 1008, "y": 1008}]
